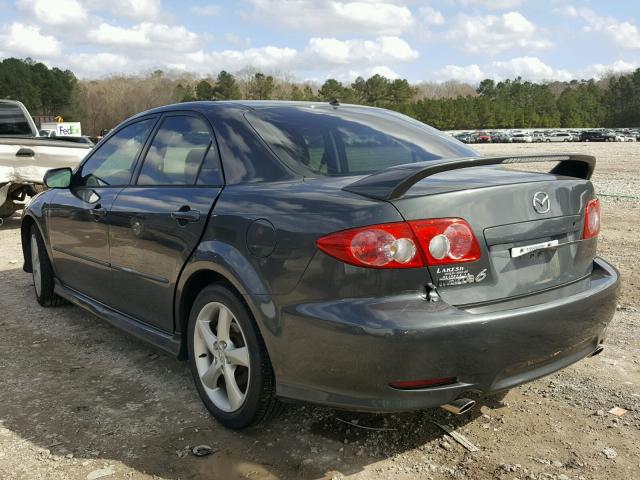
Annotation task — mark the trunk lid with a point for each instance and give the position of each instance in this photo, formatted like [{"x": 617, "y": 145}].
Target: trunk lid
[
  {"x": 528, "y": 224},
  {"x": 498, "y": 204}
]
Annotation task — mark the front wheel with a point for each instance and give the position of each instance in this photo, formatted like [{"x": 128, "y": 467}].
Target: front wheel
[
  {"x": 42, "y": 272},
  {"x": 229, "y": 361}
]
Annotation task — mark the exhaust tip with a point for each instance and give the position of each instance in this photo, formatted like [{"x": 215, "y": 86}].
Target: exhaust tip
[
  {"x": 597, "y": 351},
  {"x": 459, "y": 406}
]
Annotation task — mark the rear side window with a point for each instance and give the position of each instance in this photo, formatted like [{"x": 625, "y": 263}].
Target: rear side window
[
  {"x": 245, "y": 158},
  {"x": 349, "y": 141},
  {"x": 112, "y": 163},
  {"x": 13, "y": 121},
  {"x": 182, "y": 153}
]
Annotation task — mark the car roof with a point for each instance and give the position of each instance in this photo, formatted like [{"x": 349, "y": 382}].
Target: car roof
[{"x": 218, "y": 105}]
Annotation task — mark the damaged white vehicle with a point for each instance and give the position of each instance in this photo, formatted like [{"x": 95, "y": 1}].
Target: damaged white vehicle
[{"x": 25, "y": 157}]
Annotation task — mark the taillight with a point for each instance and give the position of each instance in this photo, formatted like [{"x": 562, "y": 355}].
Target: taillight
[
  {"x": 446, "y": 240},
  {"x": 389, "y": 245},
  {"x": 591, "y": 219},
  {"x": 404, "y": 244}
]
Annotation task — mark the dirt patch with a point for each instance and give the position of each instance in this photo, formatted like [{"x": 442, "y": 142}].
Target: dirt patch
[{"x": 80, "y": 399}]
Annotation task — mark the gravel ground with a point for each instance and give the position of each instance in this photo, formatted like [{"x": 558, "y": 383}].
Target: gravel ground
[{"x": 81, "y": 400}]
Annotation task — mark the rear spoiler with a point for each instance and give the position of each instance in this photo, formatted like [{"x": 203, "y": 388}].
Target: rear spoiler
[{"x": 394, "y": 182}]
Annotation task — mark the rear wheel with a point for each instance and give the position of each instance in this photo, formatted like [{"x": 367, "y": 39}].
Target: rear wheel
[
  {"x": 228, "y": 360},
  {"x": 42, "y": 272}
]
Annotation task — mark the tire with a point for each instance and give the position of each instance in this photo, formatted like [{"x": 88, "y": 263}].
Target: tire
[
  {"x": 42, "y": 272},
  {"x": 236, "y": 352}
]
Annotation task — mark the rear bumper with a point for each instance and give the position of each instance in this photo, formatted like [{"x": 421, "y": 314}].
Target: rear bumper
[{"x": 345, "y": 353}]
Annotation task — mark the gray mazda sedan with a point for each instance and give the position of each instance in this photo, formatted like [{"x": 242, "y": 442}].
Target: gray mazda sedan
[{"x": 335, "y": 254}]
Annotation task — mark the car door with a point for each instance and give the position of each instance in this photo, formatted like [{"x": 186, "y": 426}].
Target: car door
[
  {"x": 158, "y": 220},
  {"x": 77, "y": 217}
]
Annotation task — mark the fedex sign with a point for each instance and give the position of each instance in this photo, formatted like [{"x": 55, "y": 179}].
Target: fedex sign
[{"x": 63, "y": 129}]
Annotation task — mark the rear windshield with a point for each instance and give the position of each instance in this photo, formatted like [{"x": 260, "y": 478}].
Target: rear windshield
[
  {"x": 13, "y": 121},
  {"x": 349, "y": 141}
]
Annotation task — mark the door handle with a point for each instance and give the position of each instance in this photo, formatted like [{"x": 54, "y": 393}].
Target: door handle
[
  {"x": 186, "y": 215},
  {"x": 25, "y": 152}
]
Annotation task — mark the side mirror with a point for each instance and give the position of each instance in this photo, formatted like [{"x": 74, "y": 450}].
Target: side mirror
[{"x": 58, "y": 178}]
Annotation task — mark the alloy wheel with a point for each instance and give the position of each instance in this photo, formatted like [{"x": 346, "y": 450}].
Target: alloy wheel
[
  {"x": 35, "y": 265},
  {"x": 221, "y": 356}
]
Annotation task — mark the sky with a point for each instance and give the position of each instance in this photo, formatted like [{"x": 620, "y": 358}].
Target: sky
[{"x": 464, "y": 40}]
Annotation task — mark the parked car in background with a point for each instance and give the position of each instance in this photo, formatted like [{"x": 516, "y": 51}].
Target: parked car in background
[
  {"x": 560, "y": 137},
  {"x": 25, "y": 156},
  {"x": 464, "y": 137},
  {"x": 619, "y": 136},
  {"x": 483, "y": 137},
  {"x": 284, "y": 250},
  {"x": 522, "y": 137},
  {"x": 575, "y": 134},
  {"x": 538, "y": 137},
  {"x": 597, "y": 136},
  {"x": 501, "y": 137}
]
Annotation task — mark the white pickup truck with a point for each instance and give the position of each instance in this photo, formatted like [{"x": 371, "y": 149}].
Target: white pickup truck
[{"x": 25, "y": 157}]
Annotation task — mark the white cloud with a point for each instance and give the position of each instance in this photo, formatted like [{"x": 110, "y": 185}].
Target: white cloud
[
  {"x": 623, "y": 33},
  {"x": 330, "y": 51},
  {"x": 529, "y": 68},
  {"x": 153, "y": 36},
  {"x": 98, "y": 64},
  {"x": 431, "y": 16},
  {"x": 332, "y": 16},
  {"x": 491, "y": 34},
  {"x": 140, "y": 9},
  {"x": 600, "y": 70},
  {"x": 492, "y": 4},
  {"x": 55, "y": 12},
  {"x": 467, "y": 74},
  {"x": 384, "y": 71},
  {"x": 264, "y": 58},
  {"x": 329, "y": 56},
  {"x": 26, "y": 40},
  {"x": 206, "y": 10}
]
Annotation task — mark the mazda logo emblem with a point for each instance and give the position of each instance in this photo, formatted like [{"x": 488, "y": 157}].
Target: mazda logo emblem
[{"x": 541, "y": 202}]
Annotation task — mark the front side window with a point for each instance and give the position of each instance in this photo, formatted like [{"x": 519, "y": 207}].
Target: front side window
[
  {"x": 112, "y": 163},
  {"x": 349, "y": 141},
  {"x": 181, "y": 153}
]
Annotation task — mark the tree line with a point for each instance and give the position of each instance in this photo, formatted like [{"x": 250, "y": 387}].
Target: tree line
[{"x": 610, "y": 102}]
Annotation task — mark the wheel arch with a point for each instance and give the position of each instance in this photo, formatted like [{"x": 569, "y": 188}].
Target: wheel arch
[
  {"x": 28, "y": 221},
  {"x": 191, "y": 283}
]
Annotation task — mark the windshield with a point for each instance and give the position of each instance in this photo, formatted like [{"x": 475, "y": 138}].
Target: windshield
[
  {"x": 349, "y": 140},
  {"x": 13, "y": 121}
]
